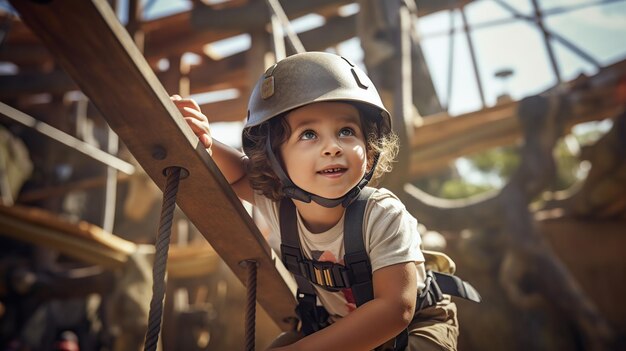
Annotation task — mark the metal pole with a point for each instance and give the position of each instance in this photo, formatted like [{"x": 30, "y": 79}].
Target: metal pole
[
  {"x": 546, "y": 37},
  {"x": 568, "y": 44},
  {"x": 470, "y": 45},
  {"x": 450, "y": 61}
]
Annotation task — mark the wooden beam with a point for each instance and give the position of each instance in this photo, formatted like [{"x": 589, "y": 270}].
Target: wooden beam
[
  {"x": 82, "y": 241},
  {"x": 207, "y": 76},
  {"x": 443, "y": 138},
  {"x": 66, "y": 139},
  {"x": 174, "y": 35},
  {"x": 443, "y": 126},
  {"x": 56, "y": 82},
  {"x": 66, "y": 188},
  {"x": 164, "y": 37},
  {"x": 20, "y": 33},
  {"x": 171, "y": 35},
  {"x": 215, "y": 75},
  {"x": 255, "y": 14},
  {"x": 25, "y": 54},
  {"x": 90, "y": 244},
  {"x": 226, "y": 111},
  {"x": 336, "y": 30},
  {"x": 92, "y": 45}
]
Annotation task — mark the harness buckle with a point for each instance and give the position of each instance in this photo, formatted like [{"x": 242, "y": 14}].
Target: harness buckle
[
  {"x": 431, "y": 294},
  {"x": 324, "y": 274},
  {"x": 292, "y": 257}
]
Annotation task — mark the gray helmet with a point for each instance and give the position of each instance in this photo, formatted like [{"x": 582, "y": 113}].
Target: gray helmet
[{"x": 310, "y": 77}]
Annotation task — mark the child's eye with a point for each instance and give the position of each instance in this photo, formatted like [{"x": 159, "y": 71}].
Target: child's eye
[
  {"x": 307, "y": 135},
  {"x": 346, "y": 132}
]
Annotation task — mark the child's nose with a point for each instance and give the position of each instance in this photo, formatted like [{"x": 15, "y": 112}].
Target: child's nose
[{"x": 332, "y": 148}]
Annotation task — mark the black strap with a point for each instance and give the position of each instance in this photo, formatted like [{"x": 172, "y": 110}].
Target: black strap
[
  {"x": 312, "y": 316},
  {"x": 356, "y": 259},
  {"x": 455, "y": 286}
]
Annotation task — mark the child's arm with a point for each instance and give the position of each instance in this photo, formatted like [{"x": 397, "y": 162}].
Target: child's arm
[
  {"x": 230, "y": 161},
  {"x": 375, "y": 322}
]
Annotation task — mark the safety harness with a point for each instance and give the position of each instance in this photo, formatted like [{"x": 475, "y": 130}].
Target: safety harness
[{"x": 356, "y": 274}]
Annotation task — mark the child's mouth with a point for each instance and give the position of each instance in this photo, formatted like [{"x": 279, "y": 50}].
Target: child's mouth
[{"x": 332, "y": 171}]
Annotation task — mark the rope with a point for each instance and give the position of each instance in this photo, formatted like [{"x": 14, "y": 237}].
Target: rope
[
  {"x": 160, "y": 260},
  {"x": 250, "y": 304}
]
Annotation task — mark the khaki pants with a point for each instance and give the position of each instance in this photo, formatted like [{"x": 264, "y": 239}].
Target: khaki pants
[{"x": 434, "y": 329}]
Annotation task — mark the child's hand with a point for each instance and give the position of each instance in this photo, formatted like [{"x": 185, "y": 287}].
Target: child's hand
[{"x": 198, "y": 122}]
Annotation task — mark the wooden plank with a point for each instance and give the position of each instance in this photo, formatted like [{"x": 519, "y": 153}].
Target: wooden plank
[
  {"x": 25, "y": 54},
  {"x": 234, "y": 110},
  {"x": 443, "y": 138},
  {"x": 206, "y": 76},
  {"x": 91, "y": 244},
  {"x": 210, "y": 75},
  {"x": 439, "y": 127},
  {"x": 173, "y": 35},
  {"x": 255, "y": 14},
  {"x": 82, "y": 241},
  {"x": 66, "y": 139},
  {"x": 97, "y": 52},
  {"x": 65, "y": 188},
  {"x": 336, "y": 30},
  {"x": 20, "y": 84}
]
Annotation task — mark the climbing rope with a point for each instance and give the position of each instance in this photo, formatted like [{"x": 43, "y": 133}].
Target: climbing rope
[
  {"x": 160, "y": 265},
  {"x": 250, "y": 304},
  {"x": 160, "y": 259}
]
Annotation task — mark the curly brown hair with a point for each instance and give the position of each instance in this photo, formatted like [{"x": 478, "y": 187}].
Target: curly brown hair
[{"x": 261, "y": 174}]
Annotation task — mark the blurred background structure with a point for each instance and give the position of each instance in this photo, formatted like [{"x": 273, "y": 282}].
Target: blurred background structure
[{"x": 511, "y": 115}]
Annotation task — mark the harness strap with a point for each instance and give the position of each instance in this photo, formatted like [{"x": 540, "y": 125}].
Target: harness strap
[
  {"x": 356, "y": 259},
  {"x": 455, "y": 286},
  {"x": 312, "y": 316}
]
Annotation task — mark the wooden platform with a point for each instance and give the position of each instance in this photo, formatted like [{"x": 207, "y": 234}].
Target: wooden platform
[{"x": 92, "y": 245}]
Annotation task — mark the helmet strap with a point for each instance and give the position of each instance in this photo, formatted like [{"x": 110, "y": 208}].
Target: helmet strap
[{"x": 294, "y": 192}]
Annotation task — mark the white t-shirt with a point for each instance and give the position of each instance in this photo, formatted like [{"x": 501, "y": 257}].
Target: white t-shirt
[{"x": 391, "y": 237}]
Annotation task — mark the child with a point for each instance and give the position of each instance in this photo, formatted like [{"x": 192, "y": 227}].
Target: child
[{"x": 316, "y": 133}]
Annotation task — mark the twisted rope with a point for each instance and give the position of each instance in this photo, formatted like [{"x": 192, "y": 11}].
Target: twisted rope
[
  {"x": 250, "y": 304},
  {"x": 160, "y": 259}
]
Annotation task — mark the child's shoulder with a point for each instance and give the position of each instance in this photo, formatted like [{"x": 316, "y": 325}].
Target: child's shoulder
[
  {"x": 383, "y": 194},
  {"x": 385, "y": 199}
]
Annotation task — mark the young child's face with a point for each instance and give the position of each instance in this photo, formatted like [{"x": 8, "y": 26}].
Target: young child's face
[{"x": 325, "y": 153}]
